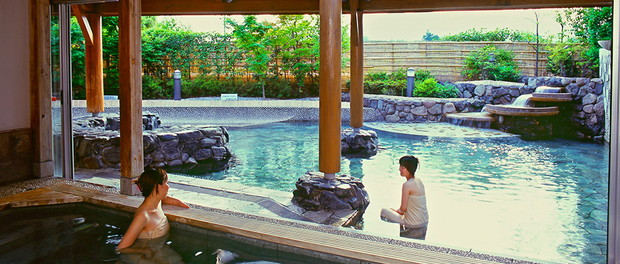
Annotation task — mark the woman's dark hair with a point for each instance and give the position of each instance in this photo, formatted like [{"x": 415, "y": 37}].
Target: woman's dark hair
[
  {"x": 150, "y": 178},
  {"x": 410, "y": 163}
]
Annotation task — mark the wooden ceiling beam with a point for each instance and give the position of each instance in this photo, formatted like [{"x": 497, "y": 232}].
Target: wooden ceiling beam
[{"x": 246, "y": 7}]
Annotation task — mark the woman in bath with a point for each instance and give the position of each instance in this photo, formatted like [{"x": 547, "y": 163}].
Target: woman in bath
[
  {"x": 412, "y": 214},
  {"x": 146, "y": 236}
]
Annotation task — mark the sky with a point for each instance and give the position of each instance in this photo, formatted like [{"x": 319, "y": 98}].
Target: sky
[{"x": 412, "y": 26}]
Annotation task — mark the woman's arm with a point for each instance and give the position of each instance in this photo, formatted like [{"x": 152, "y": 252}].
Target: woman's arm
[
  {"x": 404, "y": 199},
  {"x": 136, "y": 226},
  {"x": 174, "y": 201}
]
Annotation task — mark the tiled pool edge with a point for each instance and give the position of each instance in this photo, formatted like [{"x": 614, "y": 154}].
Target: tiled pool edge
[{"x": 350, "y": 245}]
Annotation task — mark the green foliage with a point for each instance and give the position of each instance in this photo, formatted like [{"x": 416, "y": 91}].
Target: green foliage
[
  {"x": 283, "y": 57},
  {"x": 78, "y": 50},
  {"x": 428, "y": 36},
  {"x": 478, "y": 65},
  {"x": 503, "y": 34},
  {"x": 155, "y": 88},
  {"x": 588, "y": 25},
  {"x": 431, "y": 88},
  {"x": 385, "y": 83},
  {"x": 563, "y": 59},
  {"x": 395, "y": 83}
]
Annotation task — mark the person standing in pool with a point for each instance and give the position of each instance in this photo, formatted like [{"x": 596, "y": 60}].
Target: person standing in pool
[
  {"x": 145, "y": 238},
  {"x": 412, "y": 215}
]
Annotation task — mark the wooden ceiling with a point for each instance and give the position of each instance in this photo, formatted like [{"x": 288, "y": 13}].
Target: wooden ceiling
[{"x": 236, "y": 7}]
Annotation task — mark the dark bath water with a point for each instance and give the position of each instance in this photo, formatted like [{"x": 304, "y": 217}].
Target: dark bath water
[
  {"x": 79, "y": 233},
  {"x": 543, "y": 200}
]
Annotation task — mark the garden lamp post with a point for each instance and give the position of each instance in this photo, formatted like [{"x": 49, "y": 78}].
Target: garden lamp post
[
  {"x": 410, "y": 81},
  {"x": 177, "y": 85}
]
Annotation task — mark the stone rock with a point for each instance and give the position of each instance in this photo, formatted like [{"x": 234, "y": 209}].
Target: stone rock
[
  {"x": 589, "y": 99},
  {"x": 588, "y": 108},
  {"x": 598, "y": 89},
  {"x": 573, "y": 89},
  {"x": 449, "y": 108},
  {"x": 581, "y": 81},
  {"x": 175, "y": 163},
  {"x": 480, "y": 90},
  {"x": 407, "y": 109},
  {"x": 419, "y": 111},
  {"x": 315, "y": 193},
  {"x": 191, "y": 160},
  {"x": 203, "y": 154},
  {"x": 208, "y": 142},
  {"x": 91, "y": 163},
  {"x": 466, "y": 94},
  {"x": 392, "y": 119},
  {"x": 591, "y": 120},
  {"x": 390, "y": 109},
  {"x": 514, "y": 93},
  {"x": 436, "y": 109},
  {"x": 220, "y": 153},
  {"x": 111, "y": 154},
  {"x": 167, "y": 136},
  {"x": 363, "y": 143},
  {"x": 429, "y": 104},
  {"x": 189, "y": 135},
  {"x": 599, "y": 108},
  {"x": 157, "y": 156},
  {"x": 499, "y": 92},
  {"x": 402, "y": 114}
]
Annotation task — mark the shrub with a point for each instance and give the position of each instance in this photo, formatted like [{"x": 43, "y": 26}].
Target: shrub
[
  {"x": 431, "y": 88},
  {"x": 154, "y": 88},
  {"x": 478, "y": 65},
  {"x": 563, "y": 59},
  {"x": 385, "y": 83}
]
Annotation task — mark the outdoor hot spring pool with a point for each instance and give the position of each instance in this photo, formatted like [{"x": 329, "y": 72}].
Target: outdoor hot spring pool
[{"x": 543, "y": 200}]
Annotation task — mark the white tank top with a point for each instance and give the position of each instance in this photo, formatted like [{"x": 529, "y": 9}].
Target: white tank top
[{"x": 417, "y": 214}]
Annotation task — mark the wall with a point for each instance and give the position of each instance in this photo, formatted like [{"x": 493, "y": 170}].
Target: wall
[
  {"x": 14, "y": 69},
  {"x": 15, "y": 132}
]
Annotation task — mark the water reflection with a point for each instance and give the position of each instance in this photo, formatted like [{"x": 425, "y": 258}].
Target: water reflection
[{"x": 541, "y": 199}]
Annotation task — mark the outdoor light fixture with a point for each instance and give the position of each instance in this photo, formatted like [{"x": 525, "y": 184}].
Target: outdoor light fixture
[
  {"x": 410, "y": 72},
  {"x": 410, "y": 82}
]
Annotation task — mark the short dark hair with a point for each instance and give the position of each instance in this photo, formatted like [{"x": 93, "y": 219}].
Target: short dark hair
[
  {"x": 410, "y": 163},
  {"x": 150, "y": 178}
]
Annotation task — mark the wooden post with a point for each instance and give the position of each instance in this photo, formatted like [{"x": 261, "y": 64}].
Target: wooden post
[
  {"x": 329, "y": 91},
  {"x": 130, "y": 92},
  {"x": 357, "y": 67},
  {"x": 94, "y": 67},
  {"x": 40, "y": 92}
]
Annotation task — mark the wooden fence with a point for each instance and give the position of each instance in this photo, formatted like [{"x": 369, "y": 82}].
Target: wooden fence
[{"x": 445, "y": 59}]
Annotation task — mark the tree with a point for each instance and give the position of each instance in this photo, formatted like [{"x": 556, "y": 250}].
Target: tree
[
  {"x": 491, "y": 63},
  {"x": 588, "y": 25},
  {"x": 499, "y": 34},
  {"x": 430, "y": 36},
  {"x": 251, "y": 36}
]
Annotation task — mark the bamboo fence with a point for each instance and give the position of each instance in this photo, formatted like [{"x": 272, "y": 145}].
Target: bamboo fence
[{"x": 445, "y": 59}]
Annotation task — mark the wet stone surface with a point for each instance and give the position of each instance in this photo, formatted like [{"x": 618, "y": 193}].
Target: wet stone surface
[{"x": 314, "y": 193}]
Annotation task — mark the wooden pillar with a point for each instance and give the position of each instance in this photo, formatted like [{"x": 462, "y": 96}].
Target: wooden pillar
[
  {"x": 329, "y": 92},
  {"x": 40, "y": 91},
  {"x": 130, "y": 94},
  {"x": 94, "y": 67},
  {"x": 357, "y": 67}
]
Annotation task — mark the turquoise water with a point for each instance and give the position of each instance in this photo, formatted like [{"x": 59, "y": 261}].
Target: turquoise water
[{"x": 542, "y": 200}]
